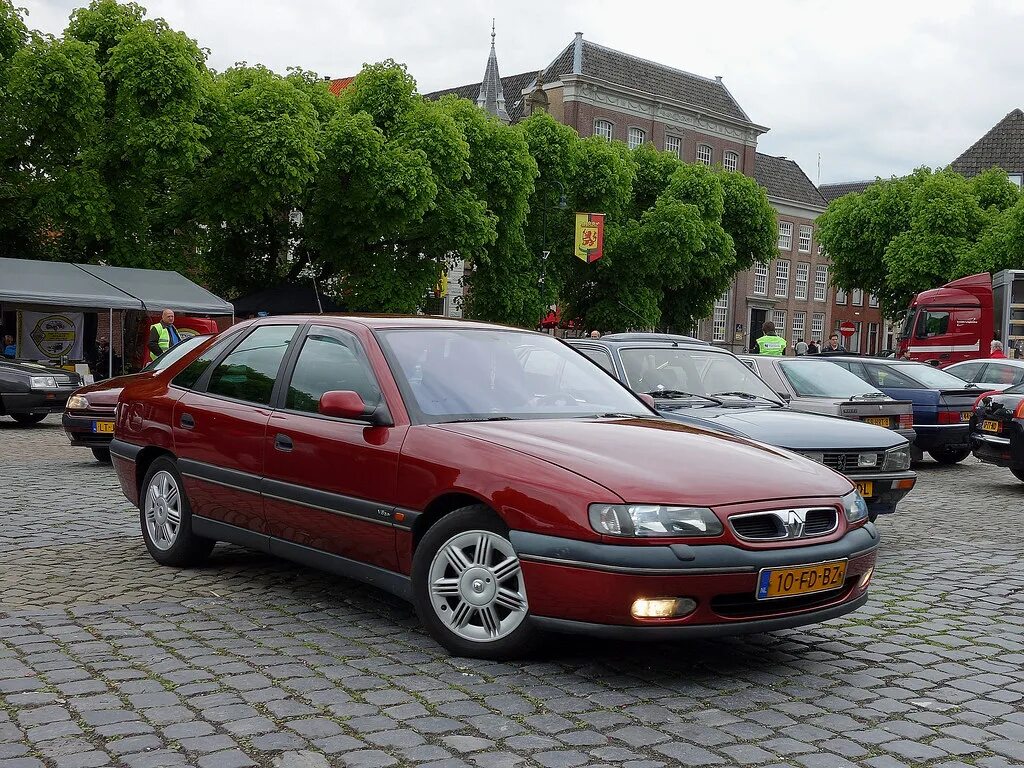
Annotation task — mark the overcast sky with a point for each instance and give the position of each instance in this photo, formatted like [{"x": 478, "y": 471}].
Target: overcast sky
[{"x": 874, "y": 88}]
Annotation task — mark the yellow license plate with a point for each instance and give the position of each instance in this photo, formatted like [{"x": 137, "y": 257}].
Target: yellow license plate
[
  {"x": 965, "y": 415},
  {"x": 878, "y": 421},
  {"x": 991, "y": 426},
  {"x": 103, "y": 426},
  {"x": 801, "y": 580},
  {"x": 866, "y": 488}
]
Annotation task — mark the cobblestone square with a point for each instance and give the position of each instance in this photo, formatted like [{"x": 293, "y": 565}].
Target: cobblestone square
[{"x": 108, "y": 659}]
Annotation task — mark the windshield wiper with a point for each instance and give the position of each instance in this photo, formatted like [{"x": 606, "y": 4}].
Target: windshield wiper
[
  {"x": 479, "y": 418},
  {"x": 614, "y": 415},
  {"x": 747, "y": 396},
  {"x": 678, "y": 394}
]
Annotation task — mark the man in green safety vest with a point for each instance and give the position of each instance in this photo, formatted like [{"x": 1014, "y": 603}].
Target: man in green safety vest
[
  {"x": 769, "y": 343},
  {"x": 163, "y": 335}
]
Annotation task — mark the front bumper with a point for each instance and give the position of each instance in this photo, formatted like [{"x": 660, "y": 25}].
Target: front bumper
[
  {"x": 932, "y": 437},
  {"x": 37, "y": 401},
  {"x": 584, "y": 586},
  {"x": 81, "y": 428},
  {"x": 887, "y": 489}
]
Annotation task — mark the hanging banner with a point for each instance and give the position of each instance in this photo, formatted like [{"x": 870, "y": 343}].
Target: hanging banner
[
  {"x": 589, "y": 236},
  {"x": 50, "y": 336}
]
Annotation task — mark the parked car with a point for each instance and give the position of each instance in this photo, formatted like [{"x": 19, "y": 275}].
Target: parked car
[
  {"x": 997, "y": 430},
  {"x": 695, "y": 383},
  {"x": 832, "y": 391},
  {"x": 89, "y": 414},
  {"x": 503, "y": 493},
  {"x": 29, "y": 392},
  {"x": 989, "y": 374},
  {"x": 943, "y": 403}
]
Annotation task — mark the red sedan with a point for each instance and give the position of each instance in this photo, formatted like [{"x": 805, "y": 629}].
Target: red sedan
[{"x": 494, "y": 477}]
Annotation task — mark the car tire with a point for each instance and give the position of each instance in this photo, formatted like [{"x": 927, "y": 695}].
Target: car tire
[
  {"x": 472, "y": 602},
  {"x": 166, "y": 518},
  {"x": 102, "y": 454},
  {"x": 1018, "y": 472},
  {"x": 28, "y": 419},
  {"x": 950, "y": 455},
  {"x": 872, "y": 516}
]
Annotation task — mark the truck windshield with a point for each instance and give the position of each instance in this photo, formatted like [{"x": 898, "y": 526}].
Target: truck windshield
[{"x": 908, "y": 324}]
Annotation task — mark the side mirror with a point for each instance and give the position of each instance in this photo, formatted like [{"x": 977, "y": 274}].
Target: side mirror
[
  {"x": 346, "y": 404},
  {"x": 648, "y": 400}
]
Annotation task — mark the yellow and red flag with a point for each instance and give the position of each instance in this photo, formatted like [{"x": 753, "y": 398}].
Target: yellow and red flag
[{"x": 589, "y": 236}]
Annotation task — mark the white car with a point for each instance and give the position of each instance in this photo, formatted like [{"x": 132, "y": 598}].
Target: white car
[{"x": 998, "y": 374}]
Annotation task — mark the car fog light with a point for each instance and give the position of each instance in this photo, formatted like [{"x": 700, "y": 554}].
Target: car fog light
[
  {"x": 663, "y": 607},
  {"x": 865, "y": 578}
]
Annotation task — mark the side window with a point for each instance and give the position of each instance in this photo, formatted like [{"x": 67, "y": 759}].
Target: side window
[
  {"x": 599, "y": 356},
  {"x": 969, "y": 371},
  {"x": 249, "y": 372},
  {"x": 887, "y": 376},
  {"x": 194, "y": 370},
  {"x": 330, "y": 359},
  {"x": 998, "y": 373},
  {"x": 932, "y": 324}
]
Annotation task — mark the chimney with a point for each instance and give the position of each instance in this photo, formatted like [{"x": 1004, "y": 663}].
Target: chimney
[{"x": 577, "y": 54}]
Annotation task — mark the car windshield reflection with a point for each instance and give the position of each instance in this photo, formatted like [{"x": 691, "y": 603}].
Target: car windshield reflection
[
  {"x": 822, "y": 379},
  {"x": 706, "y": 374}
]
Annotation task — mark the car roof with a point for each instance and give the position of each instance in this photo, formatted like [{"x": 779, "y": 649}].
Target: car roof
[
  {"x": 1016, "y": 362},
  {"x": 652, "y": 343},
  {"x": 374, "y": 322},
  {"x": 670, "y": 337}
]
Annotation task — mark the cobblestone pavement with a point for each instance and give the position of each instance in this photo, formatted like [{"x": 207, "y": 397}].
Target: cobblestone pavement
[{"x": 108, "y": 659}]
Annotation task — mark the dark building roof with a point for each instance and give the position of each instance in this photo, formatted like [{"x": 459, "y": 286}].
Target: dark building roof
[
  {"x": 831, "y": 191},
  {"x": 786, "y": 180},
  {"x": 491, "y": 98},
  {"x": 1002, "y": 147},
  {"x": 339, "y": 84},
  {"x": 512, "y": 87}
]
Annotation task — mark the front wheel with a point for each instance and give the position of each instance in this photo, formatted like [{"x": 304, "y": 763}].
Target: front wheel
[
  {"x": 102, "y": 454},
  {"x": 28, "y": 419},
  {"x": 166, "y": 518},
  {"x": 468, "y": 587},
  {"x": 950, "y": 455}
]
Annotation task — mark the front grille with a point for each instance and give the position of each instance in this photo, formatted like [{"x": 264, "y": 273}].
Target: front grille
[
  {"x": 744, "y": 604},
  {"x": 847, "y": 462},
  {"x": 779, "y": 524}
]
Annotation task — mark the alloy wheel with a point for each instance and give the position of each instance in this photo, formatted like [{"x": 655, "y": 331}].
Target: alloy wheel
[{"x": 163, "y": 510}]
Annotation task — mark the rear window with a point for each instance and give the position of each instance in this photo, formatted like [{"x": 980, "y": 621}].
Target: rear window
[
  {"x": 930, "y": 377},
  {"x": 823, "y": 379}
]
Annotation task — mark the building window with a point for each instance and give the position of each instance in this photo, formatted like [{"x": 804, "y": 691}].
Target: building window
[
  {"x": 821, "y": 251},
  {"x": 872, "y": 339},
  {"x": 761, "y": 279},
  {"x": 1016, "y": 178},
  {"x": 858, "y": 297},
  {"x": 872, "y": 300},
  {"x": 720, "y": 319},
  {"x": 820, "y": 283},
  {"x": 782, "y": 278},
  {"x": 803, "y": 271},
  {"x": 636, "y": 137},
  {"x": 840, "y": 296},
  {"x": 785, "y": 236},
  {"x": 730, "y": 161},
  {"x": 674, "y": 145},
  {"x": 779, "y": 319},
  {"x": 817, "y": 325},
  {"x": 799, "y": 320},
  {"x": 705, "y": 155},
  {"x": 805, "y": 239},
  {"x": 603, "y": 128}
]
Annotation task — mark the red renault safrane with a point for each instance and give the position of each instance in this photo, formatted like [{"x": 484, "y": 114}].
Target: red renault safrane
[{"x": 495, "y": 477}]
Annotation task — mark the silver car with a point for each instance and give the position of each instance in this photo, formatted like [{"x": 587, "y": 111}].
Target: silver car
[
  {"x": 814, "y": 387},
  {"x": 995, "y": 375}
]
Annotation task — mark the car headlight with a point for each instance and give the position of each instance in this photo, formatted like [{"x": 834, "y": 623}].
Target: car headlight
[
  {"x": 42, "y": 382},
  {"x": 897, "y": 459},
  {"x": 854, "y": 506},
  {"x": 653, "y": 520},
  {"x": 77, "y": 403}
]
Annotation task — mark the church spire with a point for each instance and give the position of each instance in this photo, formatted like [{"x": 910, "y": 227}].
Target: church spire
[{"x": 492, "y": 97}]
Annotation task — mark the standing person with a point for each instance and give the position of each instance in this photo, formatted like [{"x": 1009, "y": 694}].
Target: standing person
[
  {"x": 812, "y": 348},
  {"x": 595, "y": 334},
  {"x": 769, "y": 343},
  {"x": 163, "y": 335},
  {"x": 996, "y": 350},
  {"x": 9, "y": 348},
  {"x": 833, "y": 344},
  {"x": 801, "y": 347}
]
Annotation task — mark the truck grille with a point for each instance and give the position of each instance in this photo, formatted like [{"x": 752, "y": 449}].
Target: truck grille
[
  {"x": 779, "y": 524},
  {"x": 848, "y": 462}
]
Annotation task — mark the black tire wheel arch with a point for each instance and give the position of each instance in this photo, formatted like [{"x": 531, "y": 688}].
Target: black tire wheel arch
[
  {"x": 102, "y": 453},
  {"x": 28, "y": 419},
  {"x": 187, "y": 549},
  {"x": 1018, "y": 472},
  {"x": 477, "y": 517},
  {"x": 950, "y": 455}
]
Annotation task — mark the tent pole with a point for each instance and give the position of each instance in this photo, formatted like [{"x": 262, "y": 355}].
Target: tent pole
[{"x": 110, "y": 336}]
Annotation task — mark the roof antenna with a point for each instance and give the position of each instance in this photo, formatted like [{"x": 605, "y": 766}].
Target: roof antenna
[{"x": 818, "y": 182}]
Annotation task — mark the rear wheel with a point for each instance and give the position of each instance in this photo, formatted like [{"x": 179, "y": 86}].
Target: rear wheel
[
  {"x": 1018, "y": 472},
  {"x": 102, "y": 454},
  {"x": 28, "y": 419},
  {"x": 950, "y": 455},
  {"x": 166, "y": 518},
  {"x": 468, "y": 588}
]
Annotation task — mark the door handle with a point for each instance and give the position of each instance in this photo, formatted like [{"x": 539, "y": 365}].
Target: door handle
[
  {"x": 186, "y": 421},
  {"x": 283, "y": 443}
]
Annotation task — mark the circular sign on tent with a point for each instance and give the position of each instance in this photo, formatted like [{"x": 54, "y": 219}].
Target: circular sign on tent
[{"x": 847, "y": 329}]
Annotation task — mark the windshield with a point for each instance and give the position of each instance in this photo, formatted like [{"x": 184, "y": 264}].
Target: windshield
[
  {"x": 176, "y": 352},
  {"x": 823, "y": 379},
  {"x": 698, "y": 372},
  {"x": 931, "y": 377},
  {"x": 475, "y": 374},
  {"x": 908, "y": 324}
]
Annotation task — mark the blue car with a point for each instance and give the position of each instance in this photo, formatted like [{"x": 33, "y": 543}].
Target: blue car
[{"x": 943, "y": 403}]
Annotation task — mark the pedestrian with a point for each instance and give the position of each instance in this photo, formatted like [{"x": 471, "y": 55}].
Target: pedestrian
[
  {"x": 812, "y": 348},
  {"x": 801, "y": 347},
  {"x": 833, "y": 344},
  {"x": 9, "y": 349},
  {"x": 595, "y": 334},
  {"x": 996, "y": 350},
  {"x": 769, "y": 343},
  {"x": 163, "y": 335}
]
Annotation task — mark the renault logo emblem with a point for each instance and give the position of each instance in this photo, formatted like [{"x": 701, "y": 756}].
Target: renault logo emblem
[{"x": 793, "y": 521}]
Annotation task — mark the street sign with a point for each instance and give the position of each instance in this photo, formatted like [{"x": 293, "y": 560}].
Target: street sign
[{"x": 847, "y": 329}]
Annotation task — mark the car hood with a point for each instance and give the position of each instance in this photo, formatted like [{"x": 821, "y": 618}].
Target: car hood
[
  {"x": 106, "y": 392},
  {"x": 33, "y": 369},
  {"x": 790, "y": 429},
  {"x": 657, "y": 460}
]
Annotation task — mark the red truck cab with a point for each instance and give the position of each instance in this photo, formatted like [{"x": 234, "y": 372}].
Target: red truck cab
[{"x": 951, "y": 323}]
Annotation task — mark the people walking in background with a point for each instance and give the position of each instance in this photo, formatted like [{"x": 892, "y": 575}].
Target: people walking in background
[
  {"x": 801, "y": 347},
  {"x": 812, "y": 348},
  {"x": 769, "y": 343},
  {"x": 996, "y": 350},
  {"x": 163, "y": 335},
  {"x": 833, "y": 344},
  {"x": 9, "y": 348},
  {"x": 595, "y": 334}
]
